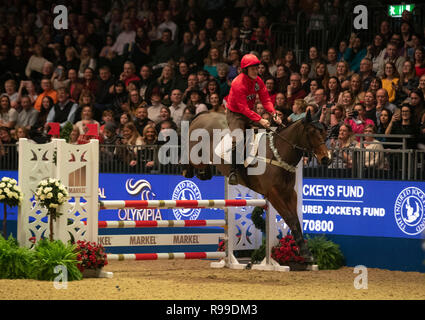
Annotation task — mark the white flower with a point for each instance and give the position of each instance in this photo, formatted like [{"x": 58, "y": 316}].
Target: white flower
[
  {"x": 51, "y": 180},
  {"x": 2, "y": 185},
  {"x": 5, "y": 179},
  {"x": 6, "y": 190},
  {"x": 13, "y": 181},
  {"x": 60, "y": 195},
  {"x": 49, "y": 195},
  {"x": 9, "y": 185},
  {"x": 42, "y": 197},
  {"x": 2, "y": 196},
  {"x": 47, "y": 190}
]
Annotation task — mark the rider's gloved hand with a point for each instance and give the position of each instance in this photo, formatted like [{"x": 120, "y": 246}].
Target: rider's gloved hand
[{"x": 265, "y": 123}]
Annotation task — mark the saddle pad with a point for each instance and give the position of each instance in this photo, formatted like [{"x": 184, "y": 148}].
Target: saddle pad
[{"x": 224, "y": 148}]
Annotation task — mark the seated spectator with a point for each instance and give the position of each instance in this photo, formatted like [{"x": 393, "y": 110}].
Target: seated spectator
[
  {"x": 347, "y": 100},
  {"x": 370, "y": 106},
  {"x": 408, "y": 81},
  {"x": 167, "y": 24},
  {"x": 384, "y": 120},
  {"x": 390, "y": 55},
  {"x": 119, "y": 96},
  {"x": 332, "y": 61},
  {"x": 222, "y": 79},
  {"x": 74, "y": 135},
  {"x": 203, "y": 46},
  {"x": 294, "y": 89},
  {"x": 390, "y": 81},
  {"x": 374, "y": 157},
  {"x": 419, "y": 58},
  {"x": 282, "y": 79},
  {"x": 107, "y": 116},
  {"x": 59, "y": 78},
  {"x": 10, "y": 91},
  {"x": 75, "y": 85},
  {"x": 322, "y": 75},
  {"x": 313, "y": 60},
  {"x": 305, "y": 79},
  {"x": 335, "y": 122},
  {"x": 196, "y": 101},
  {"x": 366, "y": 73},
  {"x": 146, "y": 83},
  {"x": 149, "y": 138},
  {"x": 266, "y": 56},
  {"x": 298, "y": 111},
  {"x": 234, "y": 43},
  {"x": 290, "y": 62},
  {"x": 402, "y": 122},
  {"x": 180, "y": 80},
  {"x": 263, "y": 71},
  {"x": 166, "y": 82},
  {"x": 177, "y": 106},
  {"x": 141, "y": 119},
  {"x": 29, "y": 87},
  {"x": 131, "y": 140},
  {"x": 87, "y": 118},
  {"x": 357, "y": 119},
  {"x": 27, "y": 117},
  {"x": 35, "y": 63},
  {"x": 64, "y": 110},
  {"x": 187, "y": 49},
  {"x": 156, "y": 105},
  {"x": 210, "y": 63},
  {"x": 46, "y": 86},
  {"x": 418, "y": 105},
  {"x": 129, "y": 73},
  {"x": 314, "y": 85},
  {"x": 71, "y": 60},
  {"x": 342, "y": 157},
  {"x": 211, "y": 88},
  {"x": 333, "y": 90},
  {"x": 86, "y": 61},
  {"x": 216, "y": 104},
  {"x": 8, "y": 115},
  {"x": 382, "y": 102},
  {"x": 203, "y": 77},
  {"x": 375, "y": 51},
  {"x": 375, "y": 85},
  {"x": 127, "y": 35},
  {"x": 165, "y": 51}
]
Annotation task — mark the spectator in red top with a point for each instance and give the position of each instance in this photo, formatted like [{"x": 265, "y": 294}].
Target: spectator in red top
[
  {"x": 241, "y": 100},
  {"x": 419, "y": 57},
  {"x": 129, "y": 73}
]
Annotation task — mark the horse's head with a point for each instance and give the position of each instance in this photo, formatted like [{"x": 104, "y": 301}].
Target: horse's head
[{"x": 314, "y": 138}]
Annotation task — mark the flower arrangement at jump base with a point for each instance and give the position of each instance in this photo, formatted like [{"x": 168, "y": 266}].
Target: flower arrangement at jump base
[
  {"x": 90, "y": 256},
  {"x": 10, "y": 195},
  {"x": 50, "y": 194},
  {"x": 287, "y": 251}
]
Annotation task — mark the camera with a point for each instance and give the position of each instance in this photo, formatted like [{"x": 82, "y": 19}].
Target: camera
[{"x": 355, "y": 114}]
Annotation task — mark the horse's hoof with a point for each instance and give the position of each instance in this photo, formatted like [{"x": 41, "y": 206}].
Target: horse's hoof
[{"x": 233, "y": 179}]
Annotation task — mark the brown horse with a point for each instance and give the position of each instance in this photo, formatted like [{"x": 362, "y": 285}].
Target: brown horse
[{"x": 277, "y": 182}]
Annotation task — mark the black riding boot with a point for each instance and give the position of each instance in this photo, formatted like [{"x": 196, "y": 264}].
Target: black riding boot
[{"x": 233, "y": 176}]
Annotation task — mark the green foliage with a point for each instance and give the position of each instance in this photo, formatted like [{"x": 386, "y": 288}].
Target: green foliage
[
  {"x": 326, "y": 253},
  {"x": 66, "y": 131},
  {"x": 259, "y": 254},
  {"x": 15, "y": 262},
  {"x": 257, "y": 219},
  {"x": 49, "y": 254}
]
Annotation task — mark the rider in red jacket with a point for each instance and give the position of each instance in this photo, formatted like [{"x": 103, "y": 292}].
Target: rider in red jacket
[{"x": 241, "y": 101}]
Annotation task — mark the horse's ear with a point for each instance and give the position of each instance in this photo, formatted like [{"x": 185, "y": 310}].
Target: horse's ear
[{"x": 307, "y": 118}]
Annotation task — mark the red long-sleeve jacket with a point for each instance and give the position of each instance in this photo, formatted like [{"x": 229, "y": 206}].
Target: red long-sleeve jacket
[{"x": 241, "y": 98}]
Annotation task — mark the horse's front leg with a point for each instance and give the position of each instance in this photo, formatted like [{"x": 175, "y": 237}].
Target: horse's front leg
[{"x": 286, "y": 204}]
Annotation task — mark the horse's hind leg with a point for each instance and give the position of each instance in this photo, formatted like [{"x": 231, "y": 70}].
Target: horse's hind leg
[{"x": 286, "y": 204}]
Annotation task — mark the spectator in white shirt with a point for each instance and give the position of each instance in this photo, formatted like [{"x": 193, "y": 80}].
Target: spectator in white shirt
[
  {"x": 167, "y": 24},
  {"x": 127, "y": 35}
]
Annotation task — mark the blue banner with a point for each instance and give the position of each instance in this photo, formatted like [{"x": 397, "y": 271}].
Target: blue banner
[
  {"x": 364, "y": 208},
  {"x": 159, "y": 187}
]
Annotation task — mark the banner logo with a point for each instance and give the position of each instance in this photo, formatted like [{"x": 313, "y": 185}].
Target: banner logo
[
  {"x": 409, "y": 211},
  {"x": 77, "y": 181},
  {"x": 187, "y": 190}
]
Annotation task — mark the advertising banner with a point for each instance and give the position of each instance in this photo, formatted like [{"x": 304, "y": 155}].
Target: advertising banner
[{"x": 364, "y": 208}]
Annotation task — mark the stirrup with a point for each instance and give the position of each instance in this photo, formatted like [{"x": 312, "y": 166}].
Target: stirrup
[{"x": 233, "y": 178}]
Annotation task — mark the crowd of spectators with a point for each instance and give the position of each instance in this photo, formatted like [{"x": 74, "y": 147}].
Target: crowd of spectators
[{"x": 125, "y": 70}]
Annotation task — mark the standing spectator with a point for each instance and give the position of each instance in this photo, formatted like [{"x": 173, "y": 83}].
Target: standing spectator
[{"x": 46, "y": 86}]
